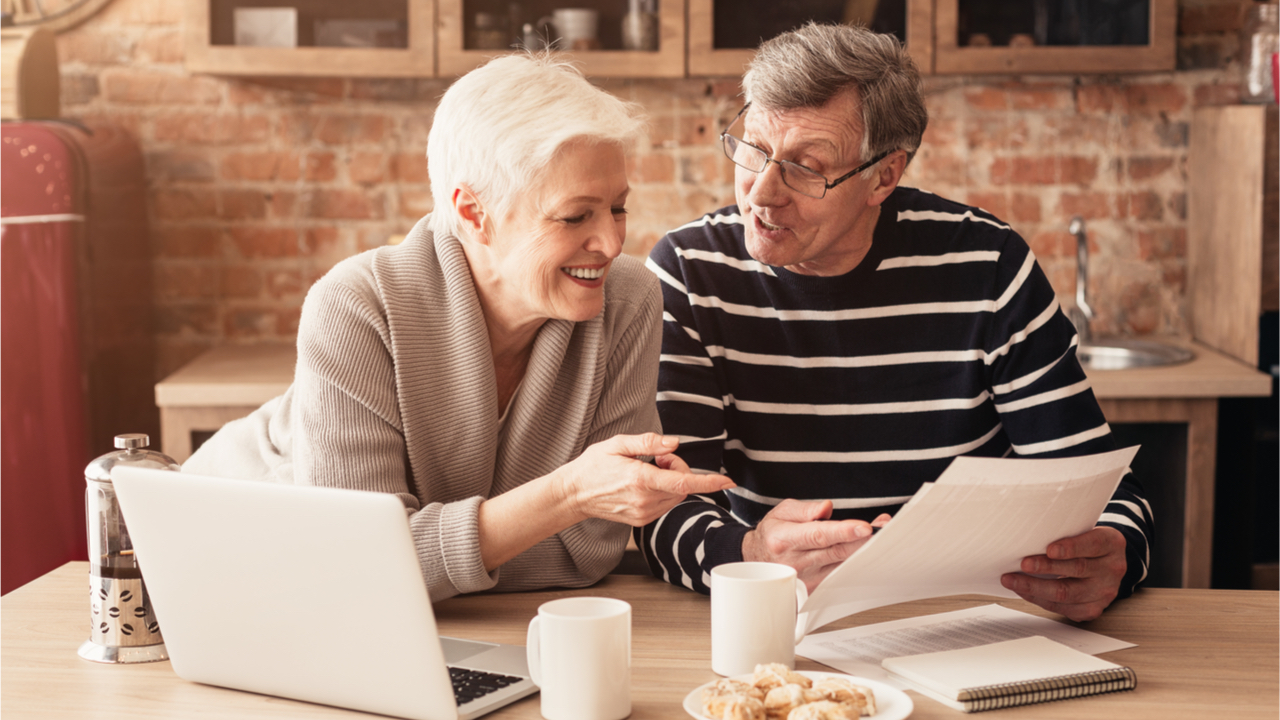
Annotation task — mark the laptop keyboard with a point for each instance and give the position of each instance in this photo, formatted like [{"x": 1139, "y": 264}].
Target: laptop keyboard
[{"x": 469, "y": 685}]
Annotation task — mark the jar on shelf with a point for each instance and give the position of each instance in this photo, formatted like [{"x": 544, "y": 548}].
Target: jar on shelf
[{"x": 1259, "y": 44}]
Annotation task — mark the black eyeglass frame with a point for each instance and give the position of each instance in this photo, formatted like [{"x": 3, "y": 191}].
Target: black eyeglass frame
[{"x": 783, "y": 163}]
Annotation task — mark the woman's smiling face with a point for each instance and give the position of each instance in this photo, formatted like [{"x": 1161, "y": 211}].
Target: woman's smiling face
[{"x": 552, "y": 251}]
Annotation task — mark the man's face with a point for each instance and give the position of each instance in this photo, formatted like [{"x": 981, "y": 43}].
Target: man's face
[{"x": 807, "y": 235}]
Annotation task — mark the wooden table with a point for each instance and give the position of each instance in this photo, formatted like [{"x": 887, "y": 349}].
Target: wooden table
[{"x": 1201, "y": 654}]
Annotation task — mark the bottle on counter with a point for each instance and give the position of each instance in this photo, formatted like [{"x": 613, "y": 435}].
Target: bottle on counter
[{"x": 123, "y": 622}]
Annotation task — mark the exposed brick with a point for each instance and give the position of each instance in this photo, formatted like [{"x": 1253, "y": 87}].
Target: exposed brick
[
  {"x": 1216, "y": 94},
  {"x": 1177, "y": 205},
  {"x": 1101, "y": 98},
  {"x": 249, "y": 322},
  {"x": 283, "y": 204},
  {"x": 409, "y": 168},
  {"x": 941, "y": 131},
  {"x": 320, "y": 167},
  {"x": 160, "y": 46},
  {"x": 1162, "y": 243},
  {"x": 142, "y": 88},
  {"x": 697, "y": 130},
  {"x": 1145, "y": 168},
  {"x": 367, "y": 168},
  {"x": 94, "y": 48},
  {"x": 996, "y": 203},
  {"x": 1039, "y": 97},
  {"x": 259, "y": 165},
  {"x": 1024, "y": 171},
  {"x": 342, "y": 204},
  {"x": 287, "y": 321},
  {"x": 187, "y": 318},
  {"x": 415, "y": 203},
  {"x": 76, "y": 89},
  {"x": 986, "y": 98},
  {"x": 241, "y": 204},
  {"x": 655, "y": 167},
  {"x": 186, "y": 242},
  {"x": 301, "y": 89},
  {"x": 1144, "y": 205},
  {"x": 1090, "y": 206},
  {"x": 211, "y": 129},
  {"x": 349, "y": 129},
  {"x": 662, "y": 131},
  {"x": 323, "y": 241},
  {"x": 1024, "y": 208},
  {"x": 265, "y": 242},
  {"x": 1052, "y": 243},
  {"x": 1155, "y": 98},
  {"x": 241, "y": 282},
  {"x": 173, "y": 281},
  {"x": 1077, "y": 170},
  {"x": 1211, "y": 17},
  {"x": 183, "y": 204},
  {"x": 179, "y": 165},
  {"x": 283, "y": 284}
]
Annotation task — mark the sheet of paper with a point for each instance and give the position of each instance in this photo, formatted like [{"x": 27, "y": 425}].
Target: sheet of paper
[
  {"x": 958, "y": 535},
  {"x": 858, "y": 651}
]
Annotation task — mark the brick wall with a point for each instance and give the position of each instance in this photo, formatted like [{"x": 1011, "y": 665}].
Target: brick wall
[{"x": 258, "y": 186}]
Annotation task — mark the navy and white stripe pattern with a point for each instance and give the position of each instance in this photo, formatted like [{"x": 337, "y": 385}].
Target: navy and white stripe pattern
[{"x": 946, "y": 340}]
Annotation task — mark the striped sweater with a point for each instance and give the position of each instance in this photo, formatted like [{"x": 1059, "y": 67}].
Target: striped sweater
[{"x": 946, "y": 340}]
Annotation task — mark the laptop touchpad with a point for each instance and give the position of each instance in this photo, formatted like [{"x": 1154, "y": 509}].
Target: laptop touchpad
[{"x": 456, "y": 650}]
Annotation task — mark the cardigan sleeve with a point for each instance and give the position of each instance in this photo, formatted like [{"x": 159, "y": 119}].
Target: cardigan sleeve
[{"x": 347, "y": 430}]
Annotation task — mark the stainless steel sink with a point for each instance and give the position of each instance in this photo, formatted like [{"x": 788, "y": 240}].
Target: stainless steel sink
[{"x": 1122, "y": 354}]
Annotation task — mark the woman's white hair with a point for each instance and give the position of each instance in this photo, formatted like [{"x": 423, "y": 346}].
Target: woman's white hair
[{"x": 498, "y": 127}]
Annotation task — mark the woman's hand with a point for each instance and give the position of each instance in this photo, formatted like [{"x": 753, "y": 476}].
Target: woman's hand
[{"x": 608, "y": 481}]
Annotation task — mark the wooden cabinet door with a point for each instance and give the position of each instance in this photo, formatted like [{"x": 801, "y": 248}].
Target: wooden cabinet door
[
  {"x": 955, "y": 56},
  {"x": 209, "y": 37}
]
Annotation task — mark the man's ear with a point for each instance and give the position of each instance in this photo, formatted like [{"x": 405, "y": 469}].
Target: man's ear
[
  {"x": 471, "y": 215},
  {"x": 887, "y": 176}
]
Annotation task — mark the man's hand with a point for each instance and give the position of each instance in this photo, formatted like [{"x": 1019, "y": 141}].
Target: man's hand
[
  {"x": 1089, "y": 569},
  {"x": 799, "y": 534}
]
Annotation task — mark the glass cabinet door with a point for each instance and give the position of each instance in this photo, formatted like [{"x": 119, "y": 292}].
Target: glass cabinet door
[
  {"x": 723, "y": 35},
  {"x": 1055, "y": 36},
  {"x": 328, "y": 38},
  {"x": 605, "y": 38}
]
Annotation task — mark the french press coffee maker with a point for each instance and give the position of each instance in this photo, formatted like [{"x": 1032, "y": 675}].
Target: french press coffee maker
[{"x": 123, "y": 623}]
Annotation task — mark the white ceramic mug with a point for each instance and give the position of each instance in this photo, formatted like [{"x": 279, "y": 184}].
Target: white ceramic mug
[
  {"x": 753, "y": 616},
  {"x": 574, "y": 24},
  {"x": 580, "y": 656}
]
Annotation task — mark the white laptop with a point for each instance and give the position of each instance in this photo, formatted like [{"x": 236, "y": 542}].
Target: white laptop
[{"x": 308, "y": 593}]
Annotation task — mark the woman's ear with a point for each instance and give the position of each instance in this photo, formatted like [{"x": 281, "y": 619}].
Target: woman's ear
[{"x": 471, "y": 215}]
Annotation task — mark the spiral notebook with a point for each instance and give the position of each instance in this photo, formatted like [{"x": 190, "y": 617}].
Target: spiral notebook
[{"x": 1004, "y": 674}]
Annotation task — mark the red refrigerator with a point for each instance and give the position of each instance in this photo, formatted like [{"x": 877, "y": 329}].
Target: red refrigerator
[{"x": 76, "y": 343}]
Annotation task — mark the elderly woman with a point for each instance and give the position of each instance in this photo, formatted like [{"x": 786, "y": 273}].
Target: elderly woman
[{"x": 496, "y": 370}]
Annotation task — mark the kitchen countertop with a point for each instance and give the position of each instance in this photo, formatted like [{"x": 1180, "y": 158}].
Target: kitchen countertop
[{"x": 249, "y": 375}]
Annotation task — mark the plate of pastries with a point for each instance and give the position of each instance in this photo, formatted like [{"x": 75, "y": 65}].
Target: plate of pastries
[{"x": 776, "y": 692}]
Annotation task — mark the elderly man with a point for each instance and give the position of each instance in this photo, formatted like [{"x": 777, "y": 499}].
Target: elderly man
[{"x": 834, "y": 340}]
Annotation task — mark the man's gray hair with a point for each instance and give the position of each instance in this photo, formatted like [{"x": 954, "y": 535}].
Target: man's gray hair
[
  {"x": 498, "y": 127},
  {"x": 807, "y": 67}
]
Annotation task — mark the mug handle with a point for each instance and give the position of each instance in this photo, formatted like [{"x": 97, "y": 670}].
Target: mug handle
[
  {"x": 802, "y": 618},
  {"x": 533, "y": 653}
]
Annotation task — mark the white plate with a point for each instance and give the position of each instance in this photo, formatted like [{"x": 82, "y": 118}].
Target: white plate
[{"x": 891, "y": 703}]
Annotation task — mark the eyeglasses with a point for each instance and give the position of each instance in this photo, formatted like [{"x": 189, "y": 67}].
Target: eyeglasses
[{"x": 797, "y": 177}]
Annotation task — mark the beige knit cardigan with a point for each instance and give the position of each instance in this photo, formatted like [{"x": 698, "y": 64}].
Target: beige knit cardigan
[{"x": 395, "y": 392}]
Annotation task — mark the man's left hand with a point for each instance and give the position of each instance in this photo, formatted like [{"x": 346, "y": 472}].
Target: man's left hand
[{"x": 1088, "y": 567}]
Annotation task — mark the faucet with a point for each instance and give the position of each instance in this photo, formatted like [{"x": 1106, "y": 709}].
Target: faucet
[{"x": 1081, "y": 314}]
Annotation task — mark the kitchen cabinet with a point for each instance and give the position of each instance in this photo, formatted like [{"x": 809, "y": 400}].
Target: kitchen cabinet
[
  {"x": 1233, "y": 216},
  {"x": 438, "y": 38},
  {"x": 458, "y": 54},
  {"x": 723, "y": 35},
  {"x": 329, "y": 38},
  {"x": 974, "y": 37}
]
